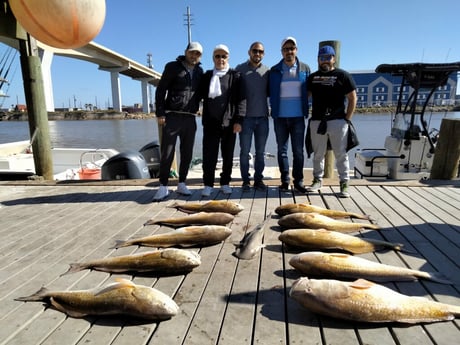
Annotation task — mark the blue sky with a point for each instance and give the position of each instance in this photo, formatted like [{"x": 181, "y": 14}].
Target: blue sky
[{"x": 370, "y": 33}]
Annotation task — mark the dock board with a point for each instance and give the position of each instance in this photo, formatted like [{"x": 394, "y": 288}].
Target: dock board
[{"x": 225, "y": 300}]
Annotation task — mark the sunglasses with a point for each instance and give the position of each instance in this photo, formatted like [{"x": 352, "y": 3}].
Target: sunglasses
[
  {"x": 289, "y": 49},
  {"x": 217, "y": 56},
  {"x": 255, "y": 51}
]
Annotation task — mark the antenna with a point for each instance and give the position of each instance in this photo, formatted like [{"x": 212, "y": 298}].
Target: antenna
[
  {"x": 447, "y": 56},
  {"x": 188, "y": 21}
]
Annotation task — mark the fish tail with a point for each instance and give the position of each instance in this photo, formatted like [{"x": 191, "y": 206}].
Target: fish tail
[
  {"x": 399, "y": 247},
  {"x": 40, "y": 295},
  {"x": 360, "y": 216},
  {"x": 174, "y": 205},
  {"x": 121, "y": 243},
  {"x": 74, "y": 267},
  {"x": 439, "y": 278},
  {"x": 371, "y": 226}
]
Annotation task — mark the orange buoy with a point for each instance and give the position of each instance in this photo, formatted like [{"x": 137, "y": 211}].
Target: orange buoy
[{"x": 60, "y": 23}]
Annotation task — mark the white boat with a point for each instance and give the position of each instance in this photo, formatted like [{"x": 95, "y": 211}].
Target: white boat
[{"x": 17, "y": 161}]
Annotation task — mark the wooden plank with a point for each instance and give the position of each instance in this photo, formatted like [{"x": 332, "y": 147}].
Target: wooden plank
[
  {"x": 240, "y": 314},
  {"x": 224, "y": 300}
]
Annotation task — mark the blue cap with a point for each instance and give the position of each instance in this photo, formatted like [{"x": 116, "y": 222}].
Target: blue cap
[{"x": 326, "y": 50}]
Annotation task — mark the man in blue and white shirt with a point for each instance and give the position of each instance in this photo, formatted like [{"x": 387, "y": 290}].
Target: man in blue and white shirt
[{"x": 289, "y": 109}]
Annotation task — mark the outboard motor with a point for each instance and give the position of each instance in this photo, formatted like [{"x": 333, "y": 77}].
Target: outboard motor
[
  {"x": 125, "y": 165},
  {"x": 151, "y": 153}
]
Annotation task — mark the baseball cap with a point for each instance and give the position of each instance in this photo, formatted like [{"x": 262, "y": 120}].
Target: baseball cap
[
  {"x": 326, "y": 50},
  {"x": 222, "y": 47},
  {"x": 287, "y": 39},
  {"x": 194, "y": 46}
]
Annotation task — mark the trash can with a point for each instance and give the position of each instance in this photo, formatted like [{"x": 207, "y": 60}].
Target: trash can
[
  {"x": 124, "y": 166},
  {"x": 151, "y": 153}
]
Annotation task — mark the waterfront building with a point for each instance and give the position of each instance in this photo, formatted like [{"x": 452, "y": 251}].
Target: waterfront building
[{"x": 382, "y": 89}]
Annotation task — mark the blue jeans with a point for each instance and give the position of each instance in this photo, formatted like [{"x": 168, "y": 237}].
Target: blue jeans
[
  {"x": 293, "y": 127},
  {"x": 257, "y": 126}
]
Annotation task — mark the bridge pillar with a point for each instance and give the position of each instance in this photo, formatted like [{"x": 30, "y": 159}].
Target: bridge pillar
[
  {"x": 115, "y": 82},
  {"x": 146, "y": 101},
  {"x": 46, "y": 58}
]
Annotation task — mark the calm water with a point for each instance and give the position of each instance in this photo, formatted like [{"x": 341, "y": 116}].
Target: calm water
[{"x": 124, "y": 135}]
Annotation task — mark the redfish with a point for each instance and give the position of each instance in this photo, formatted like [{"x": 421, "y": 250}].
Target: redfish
[
  {"x": 187, "y": 236},
  {"x": 225, "y": 206},
  {"x": 318, "y": 221},
  {"x": 339, "y": 265},
  {"x": 307, "y": 208},
  {"x": 120, "y": 298},
  {"x": 163, "y": 261},
  {"x": 201, "y": 218},
  {"x": 319, "y": 239},
  {"x": 365, "y": 301}
]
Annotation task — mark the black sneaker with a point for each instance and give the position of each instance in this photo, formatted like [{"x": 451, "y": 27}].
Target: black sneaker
[
  {"x": 246, "y": 186},
  {"x": 260, "y": 186},
  {"x": 284, "y": 187},
  {"x": 299, "y": 187}
]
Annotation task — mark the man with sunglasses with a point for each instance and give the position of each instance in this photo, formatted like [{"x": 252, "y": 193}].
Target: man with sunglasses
[
  {"x": 254, "y": 114},
  {"x": 176, "y": 107},
  {"x": 333, "y": 93},
  {"x": 221, "y": 94},
  {"x": 289, "y": 108}
]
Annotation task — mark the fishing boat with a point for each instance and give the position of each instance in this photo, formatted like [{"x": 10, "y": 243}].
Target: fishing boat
[
  {"x": 409, "y": 149},
  {"x": 17, "y": 162}
]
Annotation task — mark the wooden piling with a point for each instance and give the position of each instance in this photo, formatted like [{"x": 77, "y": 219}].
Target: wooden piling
[
  {"x": 36, "y": 108},
  {"x": 447, "y": 153}
]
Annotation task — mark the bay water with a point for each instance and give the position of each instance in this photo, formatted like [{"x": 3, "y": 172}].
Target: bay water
[{"x": 126, "y": 135}]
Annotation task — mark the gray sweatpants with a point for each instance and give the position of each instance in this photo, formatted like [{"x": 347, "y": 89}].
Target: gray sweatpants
[{"x": 337, "y": 134}]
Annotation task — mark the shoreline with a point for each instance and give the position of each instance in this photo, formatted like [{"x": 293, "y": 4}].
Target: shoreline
[{"x": 114, "y": 115}]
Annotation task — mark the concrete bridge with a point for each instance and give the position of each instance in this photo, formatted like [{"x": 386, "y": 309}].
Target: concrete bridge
[{"x": 107, "y": 60}]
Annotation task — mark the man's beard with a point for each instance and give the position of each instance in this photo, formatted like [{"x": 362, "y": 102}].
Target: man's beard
[{"x": 325, "y": 67}]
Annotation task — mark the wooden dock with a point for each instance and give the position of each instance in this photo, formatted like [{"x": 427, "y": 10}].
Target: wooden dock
[{"x": 45, "y": 227}]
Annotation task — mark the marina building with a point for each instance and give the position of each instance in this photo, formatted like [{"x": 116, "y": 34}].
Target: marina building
[{"x": 382, "y": 89}]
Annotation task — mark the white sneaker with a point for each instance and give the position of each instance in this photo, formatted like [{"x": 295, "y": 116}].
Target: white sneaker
[
  {"x": 226, "y": 189},
  {"x": 161, "y": 193},
  {"x": 206, "y": 191},
  {"x": 182, "y": 189}
]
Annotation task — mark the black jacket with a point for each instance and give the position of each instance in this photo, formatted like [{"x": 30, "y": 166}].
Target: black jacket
[
  {"x": 223, "y": 110},
  {"x": 176, "y": 91}
]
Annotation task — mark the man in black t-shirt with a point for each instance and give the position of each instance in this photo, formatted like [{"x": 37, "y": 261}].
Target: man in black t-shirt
[{"x": 333, "y": 93}]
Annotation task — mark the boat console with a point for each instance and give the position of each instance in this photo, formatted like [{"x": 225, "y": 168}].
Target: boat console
[{"x": 409, "y": 149}]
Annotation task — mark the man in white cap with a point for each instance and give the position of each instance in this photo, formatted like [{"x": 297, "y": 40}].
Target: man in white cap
[
  {"x": 289, "y": 109},
  {"x": 220, "y": 90},
  {"x": 176, "y": 106}
]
